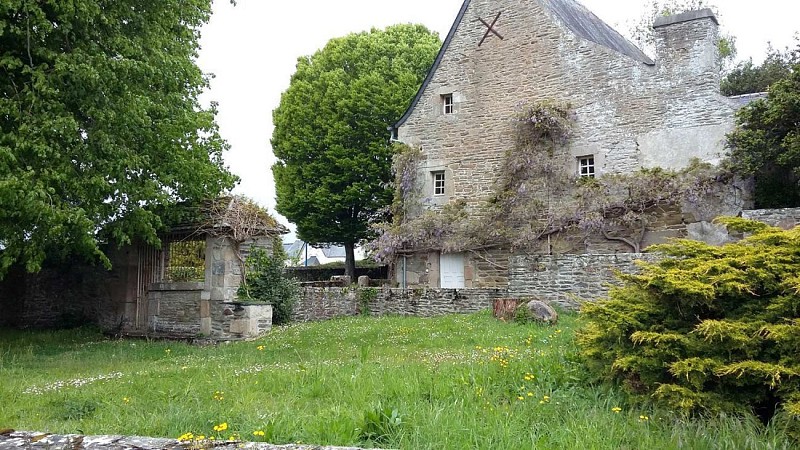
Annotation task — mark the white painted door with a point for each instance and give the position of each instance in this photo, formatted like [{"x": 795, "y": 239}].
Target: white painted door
[{"x": 451, "y": 270}]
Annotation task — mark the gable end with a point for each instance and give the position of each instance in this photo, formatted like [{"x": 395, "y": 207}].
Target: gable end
[{"x": 433, "y": 68}]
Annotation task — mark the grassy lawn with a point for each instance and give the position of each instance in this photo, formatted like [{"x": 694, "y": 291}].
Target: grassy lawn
[{"x": 448, "y": 382}]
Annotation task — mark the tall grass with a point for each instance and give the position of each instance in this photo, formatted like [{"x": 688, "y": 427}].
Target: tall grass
[{"x": 448, "y": 382}]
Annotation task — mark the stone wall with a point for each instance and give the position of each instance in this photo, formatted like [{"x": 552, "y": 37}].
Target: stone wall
[
  {"x": 327, "y": 303},
  {"x": 485, "y": 269},
  {"x": 174, "y": 308},
  {"x": 786, "y": 218},
  {"x": 64, "y": 294},
  {"x": 568, "y": 280},
  {"x": 315, "y": 273}
]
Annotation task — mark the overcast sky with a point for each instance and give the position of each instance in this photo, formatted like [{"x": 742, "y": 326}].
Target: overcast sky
[{"x": 252, "y": 49}]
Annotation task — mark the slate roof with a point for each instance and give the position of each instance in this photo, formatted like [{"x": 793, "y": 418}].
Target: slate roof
[
  {"x": 745, "y": 99},
  {"x": 313, "y": 261},
  {"x": 588, "y": 26},
  {"x": 334, "y": 252},
  {"x": 293, "y": 249},
  {"x": 582, "y": 22}
]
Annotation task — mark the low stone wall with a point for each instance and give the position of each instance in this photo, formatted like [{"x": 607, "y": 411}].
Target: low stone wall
[
  {"x": 327, "y": 303},
  {"x": 182, "y": 310},
  {"x": 174, "y": 308},
  {"x": 786, "y": 218},
  {"x": 568, "y": 280},
  {"x": 58, "y": 296},
  {"x": 314, "y": 273},
  {"x": 26, "y": 440}
]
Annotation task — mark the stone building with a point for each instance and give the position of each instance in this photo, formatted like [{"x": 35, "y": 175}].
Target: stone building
[{"x": 631, "y": 111}]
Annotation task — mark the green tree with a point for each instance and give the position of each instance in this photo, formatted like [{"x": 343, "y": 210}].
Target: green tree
[
  {"x": 333, "y": 173},
  {"x": 748, "y": 78},
  {"x": 100, "y": 123},
  {"x": 766, "y": 143}
]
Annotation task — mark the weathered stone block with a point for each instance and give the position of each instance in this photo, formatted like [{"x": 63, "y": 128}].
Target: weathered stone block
[{"x": 205, "y": 308}]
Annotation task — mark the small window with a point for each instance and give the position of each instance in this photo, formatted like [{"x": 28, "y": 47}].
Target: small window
[
  {"x": 586, "y": 166},
  {"x": 438, "y": 183},
  {"x": 447, "y": 104}
]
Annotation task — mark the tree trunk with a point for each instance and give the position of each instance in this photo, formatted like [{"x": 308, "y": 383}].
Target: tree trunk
[
  {"x": 505, "y": 308},
  {"x": 350, "y": 261}
]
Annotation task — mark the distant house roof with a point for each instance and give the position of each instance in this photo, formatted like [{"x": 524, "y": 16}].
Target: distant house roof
[
  {"x": 293, "y": 249},
  {"x": 575, "y": 16},
  {"x": 334, "y": 251},
  {"x": 313, "y": 261},
  {"x": 745, "y": 99}
]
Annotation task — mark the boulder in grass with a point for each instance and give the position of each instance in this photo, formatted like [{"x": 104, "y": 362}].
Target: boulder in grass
[{"x": 538, "y": 311}]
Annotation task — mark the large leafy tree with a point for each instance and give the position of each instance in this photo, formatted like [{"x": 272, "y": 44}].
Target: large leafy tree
[
  {"x": 747, "y": 78},
  {"x": 766, "y": 143},
  {"x": 100, "y": 123},
  {"x": 333, "y": 173}
]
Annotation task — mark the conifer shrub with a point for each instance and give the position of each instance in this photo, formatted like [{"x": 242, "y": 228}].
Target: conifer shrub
[
  {"x": 707, "y": 329},
  {"x": 267, "y": 283}
]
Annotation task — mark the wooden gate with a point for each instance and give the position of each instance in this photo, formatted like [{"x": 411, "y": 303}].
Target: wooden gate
[{"x": 150, "y": 269}]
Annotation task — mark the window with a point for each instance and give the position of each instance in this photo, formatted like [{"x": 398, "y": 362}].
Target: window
[
  {"x": 586, "y": 166},
  {"x": 438, "y": 183},
  {"x": 447, "y": 104}
]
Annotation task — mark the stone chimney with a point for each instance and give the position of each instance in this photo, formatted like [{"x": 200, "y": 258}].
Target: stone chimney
[{"x": 687, "y": 48}]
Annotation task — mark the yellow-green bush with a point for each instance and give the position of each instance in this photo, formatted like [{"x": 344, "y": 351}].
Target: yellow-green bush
[{"x": 707, "y": 328}]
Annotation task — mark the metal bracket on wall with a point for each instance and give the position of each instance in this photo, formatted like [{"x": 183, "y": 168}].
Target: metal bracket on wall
[{"x": 490, "y": 28}]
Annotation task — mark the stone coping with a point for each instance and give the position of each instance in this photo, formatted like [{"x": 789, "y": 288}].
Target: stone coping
[
  {"x": 45, "y": 441},
  {"x": 178, "y": 286},
  {"x": 685, "y": 17}
]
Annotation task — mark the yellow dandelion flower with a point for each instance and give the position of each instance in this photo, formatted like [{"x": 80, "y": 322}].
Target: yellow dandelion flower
[
  {"x": 530, "y": 394},
  {"x": 186, "y": 437},
  {"x": 616, "y": 409},
  {"x": 520, "y": 397},
  {"x": 644, "y": 418},
  {"x": 258, "y": 433},
  {"x": 261, "y": 348}
]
